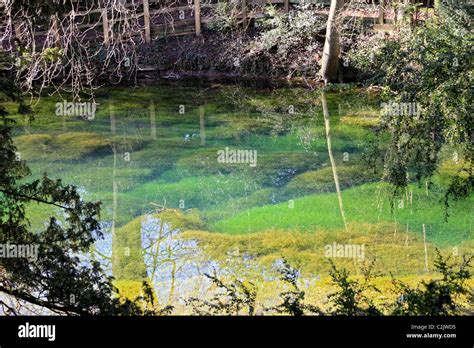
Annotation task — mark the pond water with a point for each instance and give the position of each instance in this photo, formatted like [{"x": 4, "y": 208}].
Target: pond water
[{"x": 228, "y": 163}]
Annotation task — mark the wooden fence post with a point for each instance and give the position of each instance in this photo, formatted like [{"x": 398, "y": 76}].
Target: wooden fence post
[
  {"x": 16, "y": 28},
  {"x": 105, "y": 25},
  {"x": 146, "y": 17},
  {"x": 244, "y": 12},
  {"x": 381, "y": 11},
  {"x": 197, "y": 17},
  {"x": 287, "y": 5}
]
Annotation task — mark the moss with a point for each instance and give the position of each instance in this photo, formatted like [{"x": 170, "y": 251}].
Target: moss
[
  {"x": 178, "y": 219},
  {"x": 363, "y": 121},
  {"x": 129, "y": 289},
  {"x": 398, "y": 253},
  {"x": 66, "y": 146},
  {"x": 33, "y": 145},
  {"x": 132, "y": 290},
  {"x": 128, "y": 262},
  {"x": 322, "y": 180}
]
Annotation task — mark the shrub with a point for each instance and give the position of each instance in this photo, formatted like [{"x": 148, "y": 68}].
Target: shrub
[
  {"x": 322, "y": 180},
  {"x": 235, "y": 298},
  {"x": 289, "y": 42},
  {"x": 225, "y": 16},
  {"x": 438, "y": 296},
  {"x": 431, "y": 66},
  {"x": 293, "y": 299},
  {"x": 351, "y": 299}
]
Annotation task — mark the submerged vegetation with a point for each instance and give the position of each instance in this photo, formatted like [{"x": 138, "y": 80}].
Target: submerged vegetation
[
  {"x": 175, "y": 205},
  {"x": 357, "y": 199}
]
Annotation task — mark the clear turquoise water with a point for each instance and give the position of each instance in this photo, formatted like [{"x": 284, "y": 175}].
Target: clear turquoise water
[
  {"x": 157, "y": 147},
  {"x": 169, "y": 157}
]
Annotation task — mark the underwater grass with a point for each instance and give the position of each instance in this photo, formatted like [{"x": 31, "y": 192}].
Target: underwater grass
[{"x": 366, "y": 203}]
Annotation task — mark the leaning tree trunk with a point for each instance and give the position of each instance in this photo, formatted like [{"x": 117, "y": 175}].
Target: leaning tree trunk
[{"x": 332, "y": 47}]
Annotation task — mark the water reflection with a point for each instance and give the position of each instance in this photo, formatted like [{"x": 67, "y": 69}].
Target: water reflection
[
  {"x": 172, "y": 263},
  {"x": 331, "y": 156},
  {"x": 153, "y": 167}
]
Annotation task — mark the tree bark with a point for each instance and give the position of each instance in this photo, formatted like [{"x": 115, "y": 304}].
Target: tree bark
[{"x": 330, "y": 70}]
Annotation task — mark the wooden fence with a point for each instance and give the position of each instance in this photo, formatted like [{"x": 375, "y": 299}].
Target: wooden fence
[
  {"x": 193, "y": 20},
  {"x": 196, "y": 21}
]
